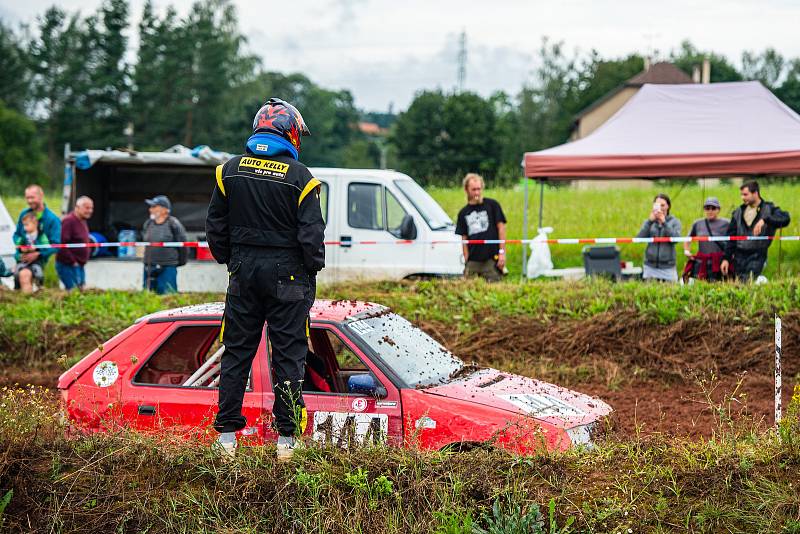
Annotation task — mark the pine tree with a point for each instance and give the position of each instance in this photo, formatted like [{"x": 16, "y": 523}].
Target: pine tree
[{"x": 14, "y": 72}]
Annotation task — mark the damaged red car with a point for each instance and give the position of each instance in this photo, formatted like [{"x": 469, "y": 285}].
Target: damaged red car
[{"x": 371, "y": 377}]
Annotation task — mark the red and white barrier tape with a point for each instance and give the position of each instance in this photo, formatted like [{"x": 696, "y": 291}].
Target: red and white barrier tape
[{"x": 562, "y": 241}]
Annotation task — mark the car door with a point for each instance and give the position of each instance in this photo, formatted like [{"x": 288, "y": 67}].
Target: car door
[
  {"x": 175, "y": 388},
  {"x": 374, "y": 214},
  {"x": 338, "y": 416}
]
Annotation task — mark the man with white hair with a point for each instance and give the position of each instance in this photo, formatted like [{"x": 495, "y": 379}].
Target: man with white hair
[{"x": 75, "y": 229}]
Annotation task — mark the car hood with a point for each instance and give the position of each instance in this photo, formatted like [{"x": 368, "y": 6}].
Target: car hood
[{"x": 555, "y": 405}]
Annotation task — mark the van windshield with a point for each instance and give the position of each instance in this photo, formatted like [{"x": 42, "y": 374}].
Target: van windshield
[
  {"x": 411, "y": 353},
  {"x": 432, "y": 212}
]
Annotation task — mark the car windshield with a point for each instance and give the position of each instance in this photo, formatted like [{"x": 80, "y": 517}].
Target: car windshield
[
  {"x": 432, "y": 212},
  {"x": 411, "y": 353}
]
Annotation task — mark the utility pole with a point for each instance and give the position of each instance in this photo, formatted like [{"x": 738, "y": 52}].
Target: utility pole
[{"x": 462, "y": 60}]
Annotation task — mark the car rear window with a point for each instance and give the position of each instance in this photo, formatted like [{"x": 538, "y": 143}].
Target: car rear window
[{"x": 174, "y": 362}]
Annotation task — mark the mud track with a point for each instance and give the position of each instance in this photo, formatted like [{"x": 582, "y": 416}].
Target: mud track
[{"x": 658, "y": 378}]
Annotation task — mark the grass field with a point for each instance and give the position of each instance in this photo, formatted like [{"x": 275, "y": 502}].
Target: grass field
[
  {"x": 620, "y": 213},
  {"x": 742, "y": 478},
  {"x": 603, "y": 213}
]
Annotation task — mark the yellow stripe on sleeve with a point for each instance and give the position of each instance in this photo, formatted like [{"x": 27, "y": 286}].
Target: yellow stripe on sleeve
[
  {"x": 219, "y": 180},
  {"x": 310, "y": 186}
]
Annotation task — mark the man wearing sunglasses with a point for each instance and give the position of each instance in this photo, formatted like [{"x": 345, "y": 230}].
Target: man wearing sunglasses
[{"x": 706, "y": 263}]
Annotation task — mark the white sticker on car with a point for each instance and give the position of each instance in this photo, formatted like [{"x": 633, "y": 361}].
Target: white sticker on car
[
  {"x": 543, "y": 405},
  {"x": 359, "y": 404},
  {"x": 105, "y": 374},
  {"x": 425, "y": 422},
  {"x": 342, "y": 429},
  {"x": 361, "y": 327}
]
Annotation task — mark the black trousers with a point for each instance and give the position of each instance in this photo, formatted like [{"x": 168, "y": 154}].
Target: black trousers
[
  {"x": 266, "y": 284},
  {"x": 748, "y": 264}
]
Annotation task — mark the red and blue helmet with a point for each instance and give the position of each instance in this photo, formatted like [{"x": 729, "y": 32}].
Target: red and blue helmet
[{"x": 281, "y": 118}]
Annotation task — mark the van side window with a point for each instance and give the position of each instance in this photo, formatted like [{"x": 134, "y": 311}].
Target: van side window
[
  {"x": 323, "y": 200},
  {"x": 365, "y": 206},
  {"x": 394, "y": 214}
]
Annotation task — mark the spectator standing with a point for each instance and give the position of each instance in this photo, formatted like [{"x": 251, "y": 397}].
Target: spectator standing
[
  {"x": 48, "y": 224},
  {"x": 706, "y": 264},
  {"x": 755, "y": 217},
  {"x": 161, "y": 263},
  {"x": 70, "y": 262},
  {"x": 29, "y": 272},
  {"x": 659, "y": 258},
  {"x": 482, "y": 218}
]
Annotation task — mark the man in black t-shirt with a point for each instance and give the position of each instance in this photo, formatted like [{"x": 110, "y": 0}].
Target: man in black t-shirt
[{"x": 482, "y": 218}]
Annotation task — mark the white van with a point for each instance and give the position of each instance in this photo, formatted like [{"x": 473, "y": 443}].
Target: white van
[
  {"x": 358, "y": 205},
  {"x": 387, "y": 207}
]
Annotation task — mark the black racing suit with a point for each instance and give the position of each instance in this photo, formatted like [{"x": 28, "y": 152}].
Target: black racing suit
[
  {"x": 264, "y": 221},
  {"x": 749, "y": 257}
]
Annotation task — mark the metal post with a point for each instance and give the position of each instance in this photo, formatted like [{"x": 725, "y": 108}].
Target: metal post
[
  {"x": 777, "y": 371},
  {"x": 69, "y": 175},
  {"x": 525, "y": 230},
  {"x": 541, "y": 202}
]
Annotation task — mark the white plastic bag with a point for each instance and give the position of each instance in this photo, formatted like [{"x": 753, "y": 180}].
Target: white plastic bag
[{"x": 540, "y": 260}]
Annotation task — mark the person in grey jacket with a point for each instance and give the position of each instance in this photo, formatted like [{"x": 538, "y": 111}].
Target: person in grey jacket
[
  {"x": 161, "y": 263},
  {"x": 659, "y": 258}
]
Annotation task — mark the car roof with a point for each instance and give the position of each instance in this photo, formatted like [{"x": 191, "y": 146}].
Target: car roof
[{"x": 324, "y": 310}]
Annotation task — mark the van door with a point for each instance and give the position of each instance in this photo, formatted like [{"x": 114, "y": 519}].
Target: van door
[{"x": 375, "y": 214}]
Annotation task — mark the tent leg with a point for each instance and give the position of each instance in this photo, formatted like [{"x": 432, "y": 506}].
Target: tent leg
[
  {"x": 541, "y": 202},
  {"x": 525, "y": 231}
]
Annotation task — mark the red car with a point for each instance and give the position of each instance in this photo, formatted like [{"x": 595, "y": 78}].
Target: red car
[{"x": 371, "y": 377}]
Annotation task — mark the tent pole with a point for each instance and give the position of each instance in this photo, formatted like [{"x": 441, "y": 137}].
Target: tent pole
[
  {"x": 541, "y": 202},
  {"x": 525, "y": 230}
]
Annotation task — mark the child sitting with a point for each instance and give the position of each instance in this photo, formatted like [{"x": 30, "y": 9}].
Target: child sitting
[{"x": 30, "y": 272}]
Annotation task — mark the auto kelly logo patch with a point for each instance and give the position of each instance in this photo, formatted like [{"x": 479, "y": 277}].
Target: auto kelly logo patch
[{"x": 263, "y": 167}]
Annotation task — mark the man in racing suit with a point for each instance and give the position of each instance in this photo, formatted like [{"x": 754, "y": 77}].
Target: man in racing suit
[{"x": 264, "y": 221}]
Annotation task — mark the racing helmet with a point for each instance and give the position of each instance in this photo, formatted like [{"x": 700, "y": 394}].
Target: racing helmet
[{"x": 281, "y": 118}]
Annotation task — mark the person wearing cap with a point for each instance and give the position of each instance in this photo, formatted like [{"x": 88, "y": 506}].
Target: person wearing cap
[
  {"x": 705, "y": 264},
  {"x": 161, "y": 263},
  {"x": 265, "y": 223}
]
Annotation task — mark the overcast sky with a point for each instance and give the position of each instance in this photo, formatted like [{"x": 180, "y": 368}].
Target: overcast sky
[{"x": 384, "y": 51}]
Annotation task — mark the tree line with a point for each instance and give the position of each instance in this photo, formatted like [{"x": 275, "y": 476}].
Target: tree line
[
  {"x": 443, "y": 135},
  {"x": 71, "y": 79}
]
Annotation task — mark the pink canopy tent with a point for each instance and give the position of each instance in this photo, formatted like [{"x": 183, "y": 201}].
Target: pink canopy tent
[
  {"x": 674, "y": 131},
  {"x": 686, "y": 130}
]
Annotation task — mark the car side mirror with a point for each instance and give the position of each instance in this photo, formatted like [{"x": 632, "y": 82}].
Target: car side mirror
[
  {"x": 408, "y": 230},
  {"x": 366, "y": 384}
]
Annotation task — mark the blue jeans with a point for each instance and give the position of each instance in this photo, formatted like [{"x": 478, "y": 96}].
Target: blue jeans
[
  {"x": 71, "y": 276},
  {"x": 163, "y": 279}
]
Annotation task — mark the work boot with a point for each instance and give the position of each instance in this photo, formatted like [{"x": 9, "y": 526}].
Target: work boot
[
  {"x": 226, "y": 445},
  {"x": 285, "y": 448}
]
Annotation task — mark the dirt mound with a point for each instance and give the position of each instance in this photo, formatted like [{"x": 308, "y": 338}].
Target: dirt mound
[
  {"x": 673, "y": 351},
  {"x": 656, "y": 377}
]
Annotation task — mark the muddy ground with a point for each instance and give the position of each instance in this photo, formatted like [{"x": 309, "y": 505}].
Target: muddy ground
[
  {"x": 657, "y": 378},
  {"x": 669, "y": 379}
]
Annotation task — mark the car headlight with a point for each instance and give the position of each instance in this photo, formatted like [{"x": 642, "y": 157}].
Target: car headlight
[{"x": 581, "y": 436}]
